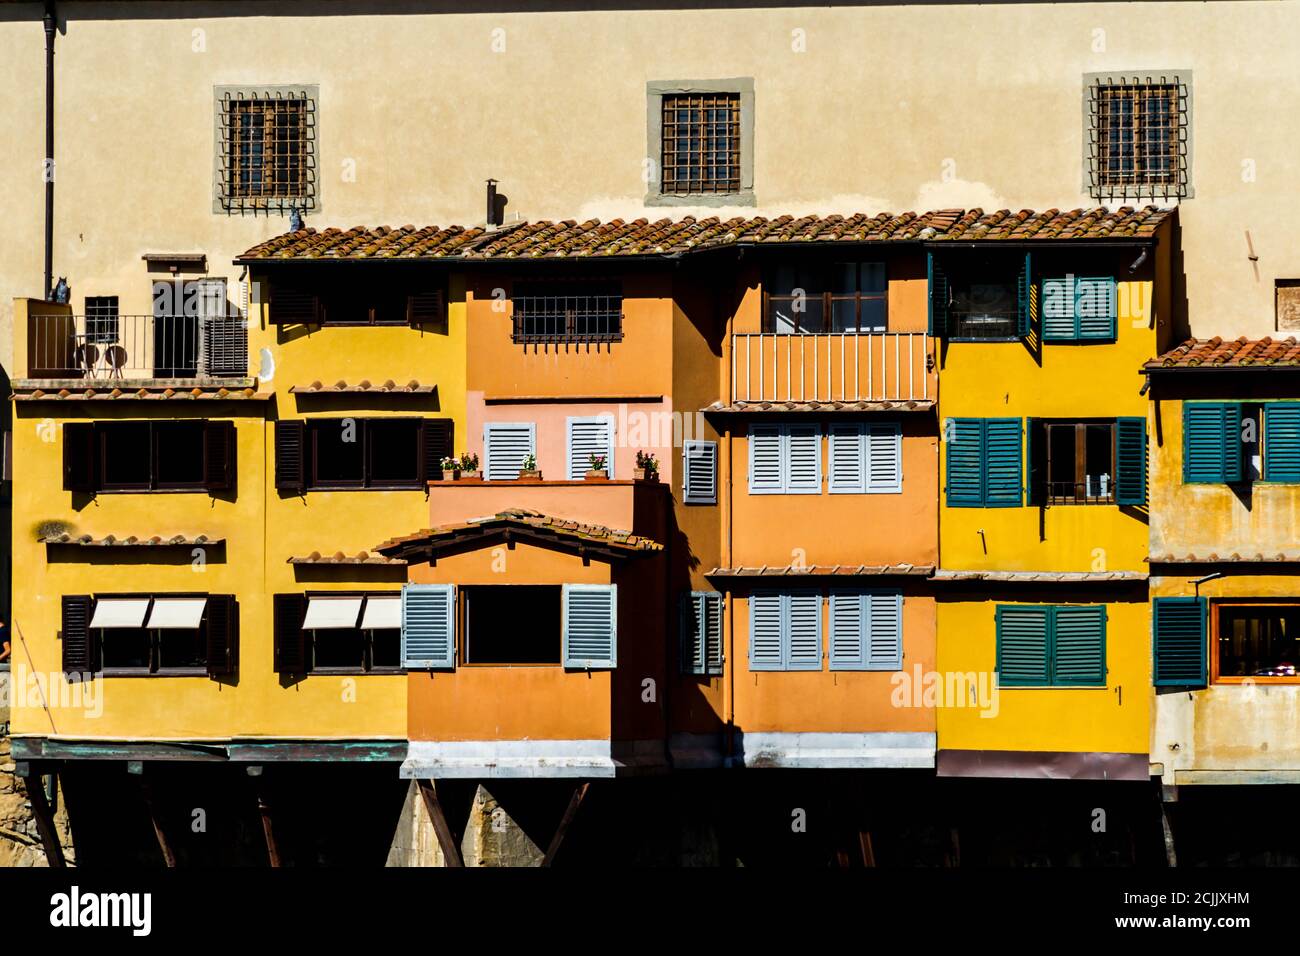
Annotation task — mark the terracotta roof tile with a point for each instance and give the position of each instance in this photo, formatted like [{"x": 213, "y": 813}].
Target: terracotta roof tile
[
  {"x": 28, "y": 393},
  {"x": 365, "y": 386},
  {"x": 823, "y": 570},
  {"x": 903, "y": 405},
  {"x": 132, "y": 541},
  {"x": 531, "y": 522},
  {"x": 1237, "y": 353},
  {"x": 338, "y": 557},
  {"x": 1045, "y": 577}
]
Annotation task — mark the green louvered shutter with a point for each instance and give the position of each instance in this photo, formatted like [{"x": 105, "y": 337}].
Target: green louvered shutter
[
  {"x": 1022, "y": 645},
  {"x": 1178, "y": 642},
  {"x": 964, "y": 443},
  {"x": 1211, "y": 442},
  {"x": 1131, "y": 461},
  {"x": 1282, "y": 441},
  {"x": 1094, "y": 308},
  {"x": 590, "y": 626},
  {"x": 939, "y": 296},
  {"x": 1025, "y": 299},
  {"x": 1058, "y": 310},
  {"x": 1035, "y": 462},
  {"x": 1079, "y": 646},
  {"x": 1002, "y": 463}
]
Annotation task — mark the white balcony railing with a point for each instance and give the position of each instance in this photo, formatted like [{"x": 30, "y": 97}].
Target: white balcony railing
[
  {"x": 831, "y": 367},
  {"x": 112, "y": 347}
]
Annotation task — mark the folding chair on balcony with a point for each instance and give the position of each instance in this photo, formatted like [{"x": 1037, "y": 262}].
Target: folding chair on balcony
[
  {"x": 115, "y": 355},
  {"x": 87, "y": 357}
]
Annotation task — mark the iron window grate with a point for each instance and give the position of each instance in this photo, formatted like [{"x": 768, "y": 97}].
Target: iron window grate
[
  {"x": 267, "y": 152},
  {"x": 567, "y": 317},
  {"x": 701, "y": 143},
  {"x": 1138, "y": 137}
]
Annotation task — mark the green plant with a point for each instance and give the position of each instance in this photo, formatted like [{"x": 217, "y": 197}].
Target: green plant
[
  {"x": 647, "y": 462},
  {"x": 468, "y": 462},
  {"x": 530, "y": 463},
  {"x": 450, "y": 464},
  {"x": 596, "y": 462}
]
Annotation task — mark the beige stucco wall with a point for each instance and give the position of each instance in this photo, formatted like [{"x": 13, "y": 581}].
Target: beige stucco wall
[{"x": 858, "y": 108}]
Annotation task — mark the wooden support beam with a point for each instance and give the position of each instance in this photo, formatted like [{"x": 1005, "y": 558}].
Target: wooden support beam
[
  {"x": 44, "y": 821},
  {"x": 868, "y": 851},
  {"x": 579, "y": 793},
  {"x": 268, "y": 830},
  {"x": 446, "y": 840},
  {"x": 169, "y": 858}
]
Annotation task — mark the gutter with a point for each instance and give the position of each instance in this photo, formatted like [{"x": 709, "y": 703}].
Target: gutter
[{"x": 51, "y": 22}]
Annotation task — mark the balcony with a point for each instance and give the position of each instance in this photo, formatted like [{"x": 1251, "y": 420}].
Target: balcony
[{"x": 829, "y": 368}]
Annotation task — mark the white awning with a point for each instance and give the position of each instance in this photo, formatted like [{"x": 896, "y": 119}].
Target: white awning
[
  {"x": 119, "y": 612},
  {"x": 383, "y": 612},
  {"x": 325, "y": 612},
  {"x": 177, "y": 612}
]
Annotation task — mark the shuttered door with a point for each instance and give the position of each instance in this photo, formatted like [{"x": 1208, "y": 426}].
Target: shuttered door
[
  {"x": 804, "y": 631},
  {"x": 1002, "y": 462},
  {"x": 1022, "y": 645},
  {"x": 587, "y": 437},
  {"x": 78, "y": 648},
  {"x": 803, "y": 459},
  {"x": 1058, "y": 309},
  {"x": 765, "y": 460},
  {"x": 429, "y": 626},
  {"x": 700, "y": 472},
  {"x": 505, "y": 446},
  {"x": 1282, "y": 441},
  {"x": 1094, "y": 308},
  {"x": 79, "y": 457},
  {"x": 766, "y": 632},
  {"x": 1131, "y": 461},
  {"x": 590, "y": 626},
  {"x": 847, "y": 468},
  {"x": 884, "y": 449},
  {"x": 1079, "y": 646},
  {"x": 1211, "y": 442},
  {"x": 964, "y": 445},
  {"x": 1178, "y": 642}
]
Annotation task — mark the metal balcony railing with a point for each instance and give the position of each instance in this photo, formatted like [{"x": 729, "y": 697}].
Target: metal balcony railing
[
  {"x": 112, "y": 347},
  {"x": 831, "y": 367}
]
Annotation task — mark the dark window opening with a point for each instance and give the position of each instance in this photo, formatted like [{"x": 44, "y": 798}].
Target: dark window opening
[
  {"x": 841, "y": 297},
  {"x": 701, "y": 143},
  {"x": 366, "y": 453},
  {"x": 1080, "y": 463},
  {"x": 125, "y": 648},
  {"x": 512, "y": 624},
  {"x": 354, "y": 649},
  {"x": 182, "y": 649},
  {"x": 338, "y": 649},
  {"x": 393, "y": 450},
  {"x": 385, "y": 648},
  {"x": 363, "y": 306},
  {"x": 567, "y": 312},
  {"x": 338, "y": 452},
  {"x": 101, "y": 319},
  {"x": 127, "y": 455},
  {"x": 178, "y": 450},
  {"x": 1258, "y": 640},
  {"x": 984, "y": 303}
]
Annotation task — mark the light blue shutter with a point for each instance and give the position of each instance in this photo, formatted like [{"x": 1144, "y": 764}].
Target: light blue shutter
[
  {"x": 803, "y": 631},
  {"x": 847, "y": 458},
  {"x": 1079, "y": 645},
  {"x": 505, "y": 445},
  {"x": 711, "y": 631},
  {"x": 692, "y": 632},
  {"x": 884, "y": 448},
  {"x": 587, "y": 437},
  {"x": 765, "y": 460},
  {"x": 1094, "y": 307},
  {"x": 429, "y": 626},
  {"x": 1058, "y": 309},
  {"x": 700, "y": 472},
  {"x": 766, "y": 632},
  {"x": 884, "y": 628},
  {"x": 848, "y": 630},
  {"x": 590, "y": 625},
  {"x": 803, "y": 459},
  {"x": 1282, "y": 441}
]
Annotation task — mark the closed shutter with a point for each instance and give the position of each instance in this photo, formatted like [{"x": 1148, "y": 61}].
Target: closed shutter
[
  {"x": 804, "y": 631},
  {"x": 1131, "y": 461},
  {"x": 221, "y": 634},
  {"x": 1094, "y": 308},
  {"x": 964, "y": 446},
  {"x": 804, "y": 459},
  {"x": 939, "y": 296},
  {"x": 505, "y": 446},
  {"x": 290, "y": 306},
  {"x": 1022, "y": 645},
  {"x": 425, "y": 308},
  {"x": 225, "y": 344},
  {"x": 429, "y": 626},
  {"x": 590, "y": 625},
  {"x": 290, "y": 456},
  {"x": 699, "y": 472},
  {"x": 1025, "y": 294},
  {"x": 848, "y": 637},
  {"x": 289, "y": 611},
  {"x": 1282, "y": 441},
  {"x": 79, "y": 457},
  {"x": 1002, "y": 462},
  {"x": 701, "y": 633},
  {"x": 78, "y": 648},
  {"x": 1211, "y": 442},
  {"x": 766, "y": 460},
  {"x": 848, "y": 459},
  {"x": 587, "y": 437},
  {"x": 1178, "y": 641},
  {"x": 219, "y": 456},
  {"x": 884, "y": 621},
  {"x": 437, "y": 441},
  {"x": 766, "y": 631},
  {"x": 884, "y": 467},
  {"x": 1058, "y": 309},
  {"x": 1079, "y": 645}
]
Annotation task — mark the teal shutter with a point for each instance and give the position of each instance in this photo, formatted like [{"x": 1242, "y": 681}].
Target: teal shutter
[
  {"x": 1058, "y": 310},
  {"x": 429, "y": 626},
  {"x": 1035, "y": 462},
  {"x": 590, "y": 625},
  {"x": 1094, "y": 308},
  {"x": 1211, "y": 442},
  {"x": 1079, "y": 645},
  {"x": 939, "y": 296},
  {"x": 766, "y": 632},
  {"x": 1002, "y": 462},
  {"x": 964, "y": 445},
  {"x": 1025, "y": 299},
  {"x": 1131, "y": 461},
  {"x": 1282, "y": 441},
  {"x": 1178, "y": 642},
  {"x": 1022, "y": 632}
]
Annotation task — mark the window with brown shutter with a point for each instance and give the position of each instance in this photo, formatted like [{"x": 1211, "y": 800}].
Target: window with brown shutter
[
  {"x": 149, "y": 456},
  {"x": 78, "y": 649},
  {"x": 290, "y": 648},
  {"x": 358, "y": 644},
  {"x": 340, "y": 454},
  {"x": 221, "y": 635},
  {"x": 290, "y": 473}
]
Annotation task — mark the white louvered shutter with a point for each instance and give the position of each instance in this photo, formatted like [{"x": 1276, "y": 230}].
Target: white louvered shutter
[
  {"x": 803, "y": 459},
  {"x": 429, "y": 626},
  {"x": 699, "y": 472},
  {"x": 847, "y": 458},
  {"x": 766, "y": 460},
  {"x": 847, "y": 636},
  {"x": 884, "y": 626},
  {"x": 701, "y": 649},
  {"x": 590, "y": 625},
  {"x": 587, "y": 437},
  {"x": 884, "y": 452},
  {"x": 804, "y": 630},
  {"x": 505, "y": 445},
  {"x": 766, "y": 632}
]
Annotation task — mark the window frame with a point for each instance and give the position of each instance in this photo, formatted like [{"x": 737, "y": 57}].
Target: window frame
[
  {"x": 656, "y": 90},
  {"x": 1080, "y": 427},
  {"x": 367, "y": 637},
  {"x": 152, "y": 669},
  {"x": 365, "y": 483},
  {"x": 576, "y": 289},
  {"x": 463, "y": 624},
  {"x": 1077, "y": 336},
  {"x": 1213, "y": 606},
  {"x": 1049, "y": 650},
  {"x": 153, "y": 485},
  {"x": 784, "y": 437},
  {"x": 225, "y": 201},
  {"x": 768, "y": 326},
  {"x": 1097, "y": 179}
]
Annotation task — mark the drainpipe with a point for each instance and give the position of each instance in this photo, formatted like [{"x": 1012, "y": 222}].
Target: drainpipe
[{"x": 51, "y": 20}]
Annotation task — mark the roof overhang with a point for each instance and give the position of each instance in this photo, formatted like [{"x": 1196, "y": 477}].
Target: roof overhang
[{"x": 559, "y": 534}]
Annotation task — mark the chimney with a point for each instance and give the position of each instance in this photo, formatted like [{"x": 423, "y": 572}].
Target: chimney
[{"x": 492, "y": 219}]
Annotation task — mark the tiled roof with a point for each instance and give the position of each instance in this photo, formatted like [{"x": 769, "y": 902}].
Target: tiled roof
[
  {"x": 909, "y": 405},
  {"x": 526, "y": 523},
  {"x": 644, "y": 237},
  {"x": 364, "y": 386},
  {"x": 1045, "y": 577},
  {"x": 1237, "y": 353},
  {"x": 28, "y": 393},
  {"x": 338, "y": 557},
  {"x": 1278, "y": 557},
  {"x": 822, "y": 570},
  {"x": 110, "y": 541}
]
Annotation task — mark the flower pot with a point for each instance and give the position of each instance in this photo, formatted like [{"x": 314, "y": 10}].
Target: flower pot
[
  {"x": 530, "y": 476},
  {"x": 597, "y": 474},
  {"x": 451, "y": 476},
  {"x": 471, "y": 475},
  {"x": 643, "y": 474}
]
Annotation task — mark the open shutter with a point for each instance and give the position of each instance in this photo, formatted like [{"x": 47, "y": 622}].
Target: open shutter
[
  {"x": 701, "y": 633},
  {"x": 1002, "y": 463},
  {"x": 1035, "y": 462},
  {"x": 425, "y": 308},
  {"x": 1058, "y": 310},
  {"x": 590, "y": 625},
  {"x": 219, "y": 456},
  {"x": 1131, "y": 461},
  {"x": 290, "y": 306},
  {"x": 848, "y": 637},
  {"x": 884, "y": 627},
  {"x": 1178, "y": 641},
  {"x": 78, "y": 649},
  {"x": 804, "y": 631},
  {"x": 964, "y": 462},
  {"x": 848, "y": 458},
  {"x": 1211, "y": 442},
  {"x": 1025, "y": 299},
  {"x": 765, "y": 460},
  {"x": 766, "y": 632},
  {"x": 437, "y": 441},
  {"x": 1022, "y": 645},
  {"x": 1095, "y": 309},
  {"x": 884, "y": 466},
  {"x": 714, "y": 655},
  {"x": 221, "y": 634},
  {"x": 290, "y": 456},
  {"x": 429, "y": 626},
  {"x": 1282, "y": 441},
  {"x": 1079, "y": 645},
  {"x": 289, "y": 611},
  {"x": 587, "y": 437},
  {"x": 939, "y": 296},
  {"x": 505, "y": 446},
  {"x": 79, "y": 458},
  {"x": 803, "y": 446},
  {"x": 699, "y": 472}
]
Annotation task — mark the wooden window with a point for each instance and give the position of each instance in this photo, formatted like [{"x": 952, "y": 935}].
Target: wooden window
[
  {"x": 342, "y": 454},
  {"x": 1041, "y": 645},
  {"x": 1138, "y": 130},
  {"x": 151, "y": 634},
  {"x": 148, "y": 456},
  {"x": 841, "y": 297},
  {"x": 1080, "y": 466},
  {"x": 1212, "y": 442},
  {"x": 785, "y": 631},
  {"x": 1256, "y": 641},
  {"x": 865, "y": 458},
  {"x": 573, "y": 312},
  {"x": 338, "y": 632},
  {"x": 490, "y": 624},
  {"x": 586, "y": 437},
  {"x": 701, "y": 649},
  {"x": 1178, "y": 641},
  {"x": 267, "y": 151},
  {"x": 1281, "y": 441},
  {"x": 701, "y": 143},
  {"x": 429, "y": 626},
  {"x": 505, "y": 446}
]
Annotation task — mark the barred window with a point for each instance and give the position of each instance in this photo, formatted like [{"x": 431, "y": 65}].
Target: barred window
[
  {"x": 701, "y": 143},
  {"x": 101, "y": 319},
  {"x": 567, "y": 312},
  {"x": 266, "y": 151},
  {"x": 1138, "y": 137}
]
